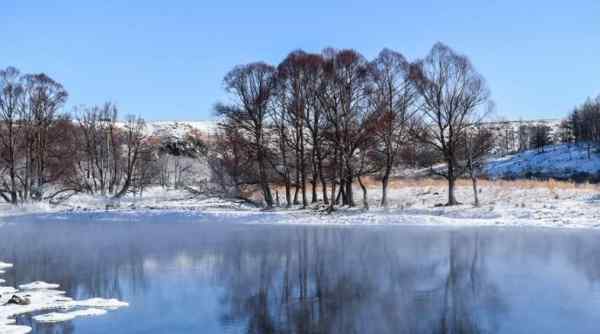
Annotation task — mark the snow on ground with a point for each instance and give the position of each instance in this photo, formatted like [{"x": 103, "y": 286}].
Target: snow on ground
[
  {"x": 503, "y": 203},
  {"x": 154, "y": 198},
  {"x": 558, "y": 161},
  {"x": 413, "y": 202},
  {"x": 44, "y": 297}
]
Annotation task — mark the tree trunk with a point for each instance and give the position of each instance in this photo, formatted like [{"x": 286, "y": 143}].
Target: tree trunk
[
  {"x": 472, "y": 174},
  {"x": 288, "y": 192},
  {"x": 451, "y": 184},
  {"x": 364, "y": 191},
  {"x": 323, "y": 182},
  {"x": 349, "y": 194},
  {"x": 341, "y": 195},
  {"x": 303, "y": 171},
  {"x": 263, "y": 175},
  {"x": 324, "y": 190},
  {"x": 384, "y": 186},
  {"x": 314, "y": 180},
  {"x": 475, "y": 196},
  {"x": 332, "y": 202}
]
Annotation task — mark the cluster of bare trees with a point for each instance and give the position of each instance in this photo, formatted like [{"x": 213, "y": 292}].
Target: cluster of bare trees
[
  {"x": 582, "y": 125},
  {"x": 320, "y": 123},
  {"x": 29, "y": 119},
  {"x": 44, "y": 152},
  {"x": 312, "y": 128},
  {"x": 112, "y": 158}
]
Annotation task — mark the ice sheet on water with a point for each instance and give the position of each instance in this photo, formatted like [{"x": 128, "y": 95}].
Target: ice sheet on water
[
  {"x": 38, "y": 285},
  {"x": 66, "y": 316},
  {"x": 14, "y": 329},
  {"x": 44, "y": 296},
  {"x": 6, "y": 290}
]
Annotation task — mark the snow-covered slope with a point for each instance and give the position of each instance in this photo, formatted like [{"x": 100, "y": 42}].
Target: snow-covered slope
[
  {"x": 179, "y": 129},
  {"x": 557, "y": 161}
]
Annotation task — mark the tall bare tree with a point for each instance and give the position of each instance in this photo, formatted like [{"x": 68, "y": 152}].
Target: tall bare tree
[
  {"x": 134, "y": 141},
  {"x": 451, "y": 92},
  {"x": 344, "y": 98},
  {"x": 44, "y": 98},
  {"x": 394, "y": 99},
  {"x": 251, "y": 87},
  {"x": 11, "y": 99}
]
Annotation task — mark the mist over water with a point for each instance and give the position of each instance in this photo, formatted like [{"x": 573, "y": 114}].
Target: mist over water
[{"x": 186, "y": 276}]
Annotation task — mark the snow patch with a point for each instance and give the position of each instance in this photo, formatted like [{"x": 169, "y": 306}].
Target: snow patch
[
  {"x": 67, "y": 316},
  {"x": 43, "y": 296},
  {"x": 557, "y": 161},
  {"x": 38, "y": 285}
]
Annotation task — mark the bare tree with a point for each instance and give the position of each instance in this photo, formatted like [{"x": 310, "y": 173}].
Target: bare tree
[
  {"x": 540, "y": 137},
  {"x": 134, "y": 141},
  {"x": 44, "y": 98},
  {"x": 11, "y": 99},
  {"x": 344, "y": 98},
  {"x": 393, "y": 97},
  {"x": 101, "y": 148},
  {"x": 229, "y": 160},
  {"x": 281, "y": 160},
  {"x": 251, "y": 87},
  {"x": 478, "y": 143},
  {"x": 451, "y": 92},
  {"x": 293, "y": 83}
]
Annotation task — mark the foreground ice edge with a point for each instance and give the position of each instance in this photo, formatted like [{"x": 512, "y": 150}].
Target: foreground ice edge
[{"x": 45, "y": 297}]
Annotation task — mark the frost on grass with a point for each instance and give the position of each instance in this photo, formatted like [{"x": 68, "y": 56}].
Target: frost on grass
[{"x": 42, "y": 297}]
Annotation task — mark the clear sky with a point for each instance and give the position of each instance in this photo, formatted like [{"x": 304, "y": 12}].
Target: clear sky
[{"x": 165, "y": 60}]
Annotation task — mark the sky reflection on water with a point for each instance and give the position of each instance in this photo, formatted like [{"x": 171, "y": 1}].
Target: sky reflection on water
[{"x": 181, "y": 276}]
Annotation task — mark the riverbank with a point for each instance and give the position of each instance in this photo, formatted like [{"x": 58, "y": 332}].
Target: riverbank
[{"x": 411, "y": 202}]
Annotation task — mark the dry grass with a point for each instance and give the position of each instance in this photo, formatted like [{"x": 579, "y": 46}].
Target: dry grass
[
  {"x": 550, "y": 184},
  {"x": 553, "y": 186}
]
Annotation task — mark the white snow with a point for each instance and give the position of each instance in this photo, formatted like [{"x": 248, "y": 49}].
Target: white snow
[
  {"x": 558, "y": 161},
  {"x": 411, "y": 201},
  {"x": 43, "y": 297},
  {"x": 66, "y": 316},
  {"x": 7, "y": 290},
  {"x": 179, "y": 129},
  {"x": 153, "y": 198},
  {"x": 38, "y": 285}
]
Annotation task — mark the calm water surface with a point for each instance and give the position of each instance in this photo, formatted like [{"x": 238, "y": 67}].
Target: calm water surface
[{"x": 186, "y": 274}]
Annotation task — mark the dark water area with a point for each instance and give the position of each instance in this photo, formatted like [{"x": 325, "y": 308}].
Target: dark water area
[{"x": 181, "y": 275}]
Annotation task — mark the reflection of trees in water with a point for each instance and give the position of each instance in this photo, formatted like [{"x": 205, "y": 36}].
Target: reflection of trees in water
[
  {"x": 90, "y": 260},
  {"x": 82, "y": 269},
  {"x": 303, "y": 279},
  {"x": 357, "y": 281}
]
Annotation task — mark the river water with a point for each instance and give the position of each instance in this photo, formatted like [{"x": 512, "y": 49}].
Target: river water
[{"x": 186, "y": 274}]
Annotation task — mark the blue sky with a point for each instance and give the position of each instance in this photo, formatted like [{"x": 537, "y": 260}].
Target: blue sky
[{"x": 165, "y": 60}]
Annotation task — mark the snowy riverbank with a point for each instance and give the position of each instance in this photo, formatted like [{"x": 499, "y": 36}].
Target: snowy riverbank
[{"x": 503, "y": 203}]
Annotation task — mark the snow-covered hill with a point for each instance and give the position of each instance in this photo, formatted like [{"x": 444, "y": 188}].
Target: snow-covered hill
[
  {"x": 558, "y": 161},
  {"x": 179, "y": 129}
]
